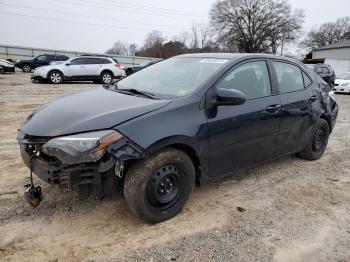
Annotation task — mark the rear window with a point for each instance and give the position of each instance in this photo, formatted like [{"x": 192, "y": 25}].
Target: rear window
[{"x": 325, "y": 70}]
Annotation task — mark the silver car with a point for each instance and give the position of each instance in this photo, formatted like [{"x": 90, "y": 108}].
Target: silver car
[{"x": 92, "y": 68}]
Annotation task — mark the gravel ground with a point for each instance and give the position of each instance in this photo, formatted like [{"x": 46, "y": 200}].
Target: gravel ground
[{"x": 293, "y": 210}]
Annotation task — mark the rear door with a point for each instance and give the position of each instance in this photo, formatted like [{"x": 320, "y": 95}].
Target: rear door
[
  {"x": 297, "y": 101},
  {"x": 76, "y": 68},
  {"x": 245, "y": 134},
  {"x": 94, "y": 66}
]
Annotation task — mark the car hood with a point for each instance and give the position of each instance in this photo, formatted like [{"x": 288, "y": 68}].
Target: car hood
[
  {"x": 95, "y": 109},
  {"x": 6, "y": 63},
  {"x": 341, "y": 81}
]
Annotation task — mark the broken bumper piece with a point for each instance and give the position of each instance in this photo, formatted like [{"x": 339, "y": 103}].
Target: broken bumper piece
[{"x": 87, "y": 178}]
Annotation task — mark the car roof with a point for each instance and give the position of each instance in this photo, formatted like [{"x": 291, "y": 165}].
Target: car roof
[
  {"x": 103, "y": 57},
  {"x": 234, "y": 56}
]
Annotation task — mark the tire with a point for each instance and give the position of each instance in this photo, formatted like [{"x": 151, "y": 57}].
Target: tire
[
  {"x": 26, "y": 68},
  {"x": 106, "y": 78},
  {"x": 128, "y": 72},
  {"x": 55, "y": 77},
  {"x": 156, "y": 188},
  {"x": 317, "y": 142},
  {"x": 2, "y": 70}
]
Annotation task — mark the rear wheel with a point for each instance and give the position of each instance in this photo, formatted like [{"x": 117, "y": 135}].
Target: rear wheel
[
  {"x": 317, "y": 142},
  {"x": 55, "y": 77},
  {"x": 26, "y": 68},
  {"x": 106, "y": 78},
  {"x": 157, "y": 188}
]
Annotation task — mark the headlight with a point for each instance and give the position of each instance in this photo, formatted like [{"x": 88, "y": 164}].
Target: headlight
[
  {"x": 344, "y": 84},
  {"x": 86, "y": 147}
]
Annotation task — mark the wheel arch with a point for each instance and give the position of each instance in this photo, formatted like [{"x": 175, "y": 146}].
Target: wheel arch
[
  {"x": 189, "y": 147},
  {"x": 329, "y": 121},
  {"x": 54, "y": 70},
  {"x": 108, "y": 71}
]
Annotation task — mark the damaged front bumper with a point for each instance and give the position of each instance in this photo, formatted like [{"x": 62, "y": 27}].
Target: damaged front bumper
[{"x": 89, "y": 178}]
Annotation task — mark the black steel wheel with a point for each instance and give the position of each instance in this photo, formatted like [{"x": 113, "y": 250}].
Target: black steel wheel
[
  {"x": 317, "y": 142},
  {"x": 164, "y": 188},
  {"x": 156, "y": 188}
]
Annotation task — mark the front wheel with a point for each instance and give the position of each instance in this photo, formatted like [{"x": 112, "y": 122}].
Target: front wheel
[
  {"x": 156, "y": 188},
  {"x": 317, "y": 142},
  {"x": 55, "y": 77}
]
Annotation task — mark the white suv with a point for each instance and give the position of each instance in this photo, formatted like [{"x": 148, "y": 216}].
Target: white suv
[{"x": 97, "y": 69}]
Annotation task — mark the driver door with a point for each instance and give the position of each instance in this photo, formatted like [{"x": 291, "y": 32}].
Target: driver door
[{"x": 241, "y": 135}]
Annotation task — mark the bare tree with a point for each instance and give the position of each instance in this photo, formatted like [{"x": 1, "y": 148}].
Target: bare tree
[
  {"x": 118, "y": 48},
  {"x": 183, "y": 38},
  {"x": 154, "y": 38},
  {"x": 255, "y": 25},
  {"x": 328, "y": 33},
  {"x": 199, "y": 36}
]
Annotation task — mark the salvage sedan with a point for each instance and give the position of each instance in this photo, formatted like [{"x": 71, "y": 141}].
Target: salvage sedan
[{"x": 187, "y": 120}]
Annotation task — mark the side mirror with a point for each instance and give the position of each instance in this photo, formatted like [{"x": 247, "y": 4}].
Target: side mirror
[
  {"x": 229, "y": 97},
  {"x": 68, "y": 63},
  {"x": 319, "y": 71}
]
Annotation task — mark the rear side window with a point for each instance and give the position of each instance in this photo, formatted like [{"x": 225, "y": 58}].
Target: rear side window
[
  {"x": 289, "y": 77},
  {"x": 61, "y": 58},
  {"x": 252, "y": 79},
  {"x": 307, "y": 80},
  {"x": 97, "y": 61}
]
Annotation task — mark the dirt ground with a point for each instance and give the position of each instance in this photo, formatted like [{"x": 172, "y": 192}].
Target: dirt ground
[{"x": 295, "y": 210}]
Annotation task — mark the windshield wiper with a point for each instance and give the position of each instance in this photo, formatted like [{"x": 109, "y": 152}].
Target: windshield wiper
[{"x": 137, "y": 92}]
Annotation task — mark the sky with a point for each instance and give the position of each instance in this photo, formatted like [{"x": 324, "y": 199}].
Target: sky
[{"x": 94, "y": 25}]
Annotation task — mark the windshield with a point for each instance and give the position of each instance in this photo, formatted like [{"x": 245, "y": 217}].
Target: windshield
[
  {"x": 173, "y": 77},
  {"x": 345, "y": 76}
]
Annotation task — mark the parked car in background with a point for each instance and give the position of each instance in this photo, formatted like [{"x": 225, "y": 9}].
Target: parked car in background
[
  {"x": 83, "y": 68},
  {"x": 325, "y": 71},
  {"x": 40, "y": 60},
  {"x": 6, "y": 67},
  {"x": 342, "y": 83},
  {"x": 193, "y": 119},
  {"x": 132, "y": 69}
]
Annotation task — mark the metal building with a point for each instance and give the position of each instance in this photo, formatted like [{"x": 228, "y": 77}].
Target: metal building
[{"x": 336, "y": 55}]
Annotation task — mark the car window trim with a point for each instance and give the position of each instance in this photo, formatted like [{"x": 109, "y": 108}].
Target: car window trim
[{"x": 301, "y": 71}]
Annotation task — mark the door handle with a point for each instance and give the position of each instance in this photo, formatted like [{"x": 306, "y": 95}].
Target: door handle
[
  {"x": 313, "y": 98},
  {"x": 273, "y": 108}
]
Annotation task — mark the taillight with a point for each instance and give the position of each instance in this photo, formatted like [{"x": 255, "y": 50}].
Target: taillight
[{"x": 117, "y": 66}]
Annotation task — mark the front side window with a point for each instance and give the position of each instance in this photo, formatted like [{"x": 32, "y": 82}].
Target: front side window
[
  {"x": 174, "y": 77},
  {"x": 252, "y": 79},
  {"x": 289, "y": 77},
  {"x": 78, "y": 61}
]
